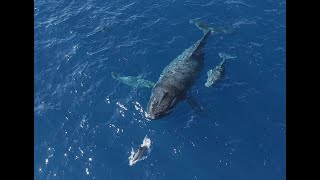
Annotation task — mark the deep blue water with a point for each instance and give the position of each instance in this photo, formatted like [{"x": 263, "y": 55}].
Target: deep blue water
[{"x": 86, "y": 122}]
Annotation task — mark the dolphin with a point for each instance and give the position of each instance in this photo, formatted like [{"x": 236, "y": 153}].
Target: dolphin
[{"x": 138, "y": 156}]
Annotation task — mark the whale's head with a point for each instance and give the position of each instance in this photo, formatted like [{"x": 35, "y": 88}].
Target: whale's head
[{"x": 161, "y": 103}]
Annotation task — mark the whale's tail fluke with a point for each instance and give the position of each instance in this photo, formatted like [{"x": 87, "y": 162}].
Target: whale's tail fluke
[
  {"x": 225, "y": 56},
  {"x": 115, "y": 75},
  {"x": 205, "y": 28},
  {"x": 201, "y": 25}
]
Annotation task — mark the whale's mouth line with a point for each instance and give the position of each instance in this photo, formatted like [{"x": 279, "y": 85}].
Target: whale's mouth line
[
  {"x": 158, "y": 115},
  {"x": 149, "y": 116}
]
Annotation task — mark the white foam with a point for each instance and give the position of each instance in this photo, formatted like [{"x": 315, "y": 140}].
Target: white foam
[{"x": 145, "y": 143}]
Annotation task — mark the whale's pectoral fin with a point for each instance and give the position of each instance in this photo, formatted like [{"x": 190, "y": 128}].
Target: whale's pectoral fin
[
  {"x": 194, "y": 104},
  {"x": 145, "y": 83},
  {"x": 137, "y": 82}
]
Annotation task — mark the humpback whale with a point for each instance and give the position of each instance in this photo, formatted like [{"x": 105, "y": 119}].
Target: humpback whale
[
  {"x": 215, "y": 74},
  {"x": 178, "y": 77}
]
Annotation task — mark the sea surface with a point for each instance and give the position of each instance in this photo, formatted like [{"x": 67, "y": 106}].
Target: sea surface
[{"x": 86, "y": 123}]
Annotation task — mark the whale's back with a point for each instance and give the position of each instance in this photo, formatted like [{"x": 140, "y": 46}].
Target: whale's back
[{"x": 183, "y": 71}]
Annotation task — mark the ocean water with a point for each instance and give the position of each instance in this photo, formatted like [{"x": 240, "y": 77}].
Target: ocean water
[{"x": 86, "y": 123}]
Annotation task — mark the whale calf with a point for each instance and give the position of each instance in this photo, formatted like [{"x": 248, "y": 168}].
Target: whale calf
[{"x": 215, "y": 74}]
